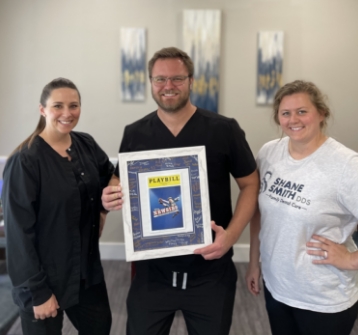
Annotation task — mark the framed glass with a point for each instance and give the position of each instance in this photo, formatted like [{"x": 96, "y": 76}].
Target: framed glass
[{"x": 166, "y": 209}]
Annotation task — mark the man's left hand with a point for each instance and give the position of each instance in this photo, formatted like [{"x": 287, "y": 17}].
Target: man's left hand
[{"x": 219, "y": 247}]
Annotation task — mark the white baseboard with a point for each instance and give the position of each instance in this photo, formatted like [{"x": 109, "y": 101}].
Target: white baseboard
[
  {"x": 116, "y": 251},
  {"x": 112, "y": 250},
  {"x": 241, "y": 253}
]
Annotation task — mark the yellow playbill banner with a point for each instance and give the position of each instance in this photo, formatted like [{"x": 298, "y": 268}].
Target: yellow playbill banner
[{"x": 161, "y": 181}]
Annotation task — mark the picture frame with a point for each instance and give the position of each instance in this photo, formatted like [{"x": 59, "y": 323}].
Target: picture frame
[{"x": 166, "y": 209}]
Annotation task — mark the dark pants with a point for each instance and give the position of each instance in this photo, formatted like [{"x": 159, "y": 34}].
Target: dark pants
[
  {"x": 206, "y": 302},
  {"x": 91, "y": 316},
  {"x": 286, "y": 320}
]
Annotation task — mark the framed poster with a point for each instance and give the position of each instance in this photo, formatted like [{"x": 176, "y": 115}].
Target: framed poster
[{"x": 166, "y": 211}]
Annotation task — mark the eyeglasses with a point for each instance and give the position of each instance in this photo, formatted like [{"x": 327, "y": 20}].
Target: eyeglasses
[{"x": 161, "y": 81}]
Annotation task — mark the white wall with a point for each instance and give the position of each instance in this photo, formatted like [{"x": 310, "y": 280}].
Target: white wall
[{"x": 79, "y": 39}]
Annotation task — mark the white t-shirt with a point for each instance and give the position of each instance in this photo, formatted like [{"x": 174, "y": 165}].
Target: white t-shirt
[{"x": 299, "y": 198}]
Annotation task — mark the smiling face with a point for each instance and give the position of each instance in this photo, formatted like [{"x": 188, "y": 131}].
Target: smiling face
[
  {"x": 169, "y": 97},
  {"x": 62, "y": 111},
  {"x": 300, "y": 119}
]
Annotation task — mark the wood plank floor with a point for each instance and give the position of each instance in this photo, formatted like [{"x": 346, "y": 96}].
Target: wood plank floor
[{"x": 249, "y": 312}]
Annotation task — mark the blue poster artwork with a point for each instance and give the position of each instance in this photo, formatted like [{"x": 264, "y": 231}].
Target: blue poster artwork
[{"x": 166, "y": 208}]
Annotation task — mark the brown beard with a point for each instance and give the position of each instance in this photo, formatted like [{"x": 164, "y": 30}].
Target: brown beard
[{"x": 172, "y": 108}]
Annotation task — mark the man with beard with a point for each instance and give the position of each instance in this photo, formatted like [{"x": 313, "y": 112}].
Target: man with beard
[{"x": 201, "y": 285}]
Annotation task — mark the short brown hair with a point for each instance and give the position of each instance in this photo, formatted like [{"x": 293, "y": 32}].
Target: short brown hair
[
  {"x": 301, "y": 86},
  {"x": 172, "y": 52}
]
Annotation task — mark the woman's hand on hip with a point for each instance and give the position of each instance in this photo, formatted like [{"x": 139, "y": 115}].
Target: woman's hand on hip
[{"x": 332, "y": 253}]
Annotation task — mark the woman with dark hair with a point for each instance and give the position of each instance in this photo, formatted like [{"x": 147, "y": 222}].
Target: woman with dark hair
[
  {"x": 308, "y": 211},
  {"x": 53, "y": 219}
]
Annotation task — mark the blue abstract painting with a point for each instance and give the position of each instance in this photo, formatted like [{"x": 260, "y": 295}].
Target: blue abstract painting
[
  {"x": 269, "y": 66},
  {"x": 133, "y": 62},
  {"x": 201, "y": 40}
]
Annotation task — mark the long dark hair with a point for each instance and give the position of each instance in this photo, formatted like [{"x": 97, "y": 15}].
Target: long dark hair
[{"x": 46, "y": 92}]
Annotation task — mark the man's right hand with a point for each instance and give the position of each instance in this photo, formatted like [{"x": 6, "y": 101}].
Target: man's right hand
[
  {"x": 47, "y": 309},
  {"x": 112, "y": 198}
]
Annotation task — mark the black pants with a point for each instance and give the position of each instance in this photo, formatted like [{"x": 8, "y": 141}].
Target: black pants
[
  {"x": 206, "y": 301},
  {"x": 91, "y": 316},
  {"x": 287, "y": 320}
]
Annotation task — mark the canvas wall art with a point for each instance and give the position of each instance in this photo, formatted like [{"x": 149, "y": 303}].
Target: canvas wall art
[
  {"x": 269, "y": 65},
  {"x": 133, "y": 64},
  {"x": 201, "y": 40}
]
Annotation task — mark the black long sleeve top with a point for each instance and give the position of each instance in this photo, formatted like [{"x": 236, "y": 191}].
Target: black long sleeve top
[{"x": 47, "y": 236}]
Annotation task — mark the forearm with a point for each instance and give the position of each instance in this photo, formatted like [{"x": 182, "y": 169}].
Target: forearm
[
  {"x": 26, "y": 272},
  {"x": 245, "y": 207},
  {"x": 244, "y": 210},
  {"x": 255, "y": 226},
  {"x": 253, "y": 270},
  {"x": 23, "y": 262}
]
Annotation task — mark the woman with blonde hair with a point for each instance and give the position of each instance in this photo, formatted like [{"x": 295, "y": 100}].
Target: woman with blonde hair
[{"x": 308, "y": 211}]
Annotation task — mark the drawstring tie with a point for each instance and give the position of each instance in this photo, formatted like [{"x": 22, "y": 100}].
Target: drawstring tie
[{"x": 175, "y": 279}]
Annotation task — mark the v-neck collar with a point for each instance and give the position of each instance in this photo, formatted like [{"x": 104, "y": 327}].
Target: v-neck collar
[
  {"x": 186, "y": 125},
  {"x": 49, "y": 148}
]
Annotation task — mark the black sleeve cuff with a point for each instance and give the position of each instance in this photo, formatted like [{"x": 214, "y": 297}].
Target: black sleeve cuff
[{"x": 40, "y": 296}]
